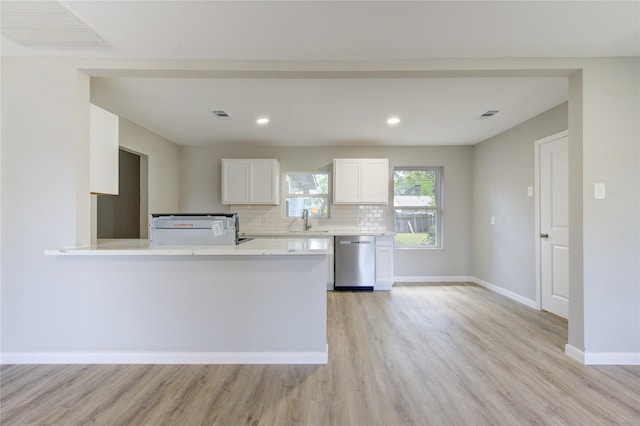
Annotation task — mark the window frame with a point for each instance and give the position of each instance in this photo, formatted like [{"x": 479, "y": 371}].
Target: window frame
[
  {"x": 287, "y": 195},
  {"x": 438, "y": 208}
]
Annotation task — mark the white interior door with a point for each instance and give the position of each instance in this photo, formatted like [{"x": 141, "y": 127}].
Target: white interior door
[{"x": 554, "y": 224}]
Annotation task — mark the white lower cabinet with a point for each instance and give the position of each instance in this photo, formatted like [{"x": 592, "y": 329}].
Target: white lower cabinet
[{"x": 384, "y": 263}]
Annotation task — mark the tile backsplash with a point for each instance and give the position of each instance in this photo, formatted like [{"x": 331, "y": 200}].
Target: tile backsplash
[{"x": 364, "y": 218}]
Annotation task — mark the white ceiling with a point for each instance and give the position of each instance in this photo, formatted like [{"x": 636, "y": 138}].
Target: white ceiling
[
  {"x": 434, "y": 111},
  {"x": 358, "y": 30},
  {"x": 323, "y": 111}
]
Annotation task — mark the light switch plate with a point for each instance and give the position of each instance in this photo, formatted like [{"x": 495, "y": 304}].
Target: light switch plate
[
  {"x": 599, "y": 191},
  {"x": 493, "y": 220},
  {"x": 529, "y": 191}
]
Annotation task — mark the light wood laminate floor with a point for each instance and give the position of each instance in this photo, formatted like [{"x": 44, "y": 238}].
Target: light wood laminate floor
[{"x": 438, "y": 354}]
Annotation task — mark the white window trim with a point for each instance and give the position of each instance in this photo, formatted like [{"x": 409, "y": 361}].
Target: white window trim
[
  {"x": 438, "y": 208},
  {"x": 287, "y": 195}
]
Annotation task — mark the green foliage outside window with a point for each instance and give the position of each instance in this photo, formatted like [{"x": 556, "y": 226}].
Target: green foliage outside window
[
  {"x": 307, "y": 191},
  {"x": 414, "y": 182},
  {"x": 417, "y": 207}
]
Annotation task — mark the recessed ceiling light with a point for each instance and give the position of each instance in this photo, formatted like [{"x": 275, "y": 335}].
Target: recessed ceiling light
[
  {"x": 262, "y": 120},
  {"x": 392, "y": 121}
]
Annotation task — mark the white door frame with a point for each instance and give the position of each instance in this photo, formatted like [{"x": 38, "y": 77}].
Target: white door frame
[{"x": 536, "y": 191}]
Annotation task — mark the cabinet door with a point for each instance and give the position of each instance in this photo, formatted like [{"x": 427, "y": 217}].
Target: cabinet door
[
  {"x": 346, "y": 181},
  {"x": 375, "y": 181},
  {"x": 384, "y": 265},
  {"x": 384, "y": 262},
  {"x": 265, "y": 178},
  {"x": 235, "y": 181}
]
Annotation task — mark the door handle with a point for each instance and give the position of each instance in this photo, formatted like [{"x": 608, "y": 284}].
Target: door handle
[{"x": 545, "y": 236}]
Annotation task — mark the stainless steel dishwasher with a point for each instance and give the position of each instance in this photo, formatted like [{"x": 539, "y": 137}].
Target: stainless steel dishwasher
[{"x": 354, "y": 263}]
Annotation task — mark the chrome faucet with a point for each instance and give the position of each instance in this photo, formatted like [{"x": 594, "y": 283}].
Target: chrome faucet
[{"x": 307, "y": 219}]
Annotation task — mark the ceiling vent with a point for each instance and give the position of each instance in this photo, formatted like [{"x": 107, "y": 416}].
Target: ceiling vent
[
  {"x": 488, "y": 114},
  {"x": 220, "y": 114}
]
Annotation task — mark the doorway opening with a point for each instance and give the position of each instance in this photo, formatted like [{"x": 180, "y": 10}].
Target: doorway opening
[{"x": 125, "y": 216}]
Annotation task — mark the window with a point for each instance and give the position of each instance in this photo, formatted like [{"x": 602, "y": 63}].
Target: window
[
  {"x": 417, "y": 206},
  {"x": 307, "y": 191}
]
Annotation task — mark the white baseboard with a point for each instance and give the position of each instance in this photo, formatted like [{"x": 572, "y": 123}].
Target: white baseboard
[
  {"x": 507, "y": 293},
  {"x": 597, "y": 358},
  {"x": 382, "y": 287},
  {"x": 470, "y": 279},
  {"x": 602, "y": 358},
  {"x": 575, "y": 353},
  {"x": 165, "y": 357},
  {"x": 443, "y": 279}
]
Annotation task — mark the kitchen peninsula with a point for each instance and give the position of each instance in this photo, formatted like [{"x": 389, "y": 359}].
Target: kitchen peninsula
[{"x": 260, "y": 302}]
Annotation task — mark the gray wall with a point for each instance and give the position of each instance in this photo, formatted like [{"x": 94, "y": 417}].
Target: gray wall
[
  {"x": 163, "y": 164},
  {"x": 576, "y": 255},
  {"x": 200, "y": 192},
  {"x": 158, "y": 172},
  {"x": 611, "y": 227},
  {"x": 171, "y": 305},
  {"x": 503, "y": 167},
  {"x": 45, "y": 169}
]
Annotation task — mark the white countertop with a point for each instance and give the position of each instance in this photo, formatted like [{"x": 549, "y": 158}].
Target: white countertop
[
  {"x": 313, "y": 233},
  {"x": 258, "y": 246}
]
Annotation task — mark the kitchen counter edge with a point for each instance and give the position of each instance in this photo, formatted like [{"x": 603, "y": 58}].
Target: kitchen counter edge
[
  {"x": 314, "y": 233},
  {"x": 257, "y": 247}
]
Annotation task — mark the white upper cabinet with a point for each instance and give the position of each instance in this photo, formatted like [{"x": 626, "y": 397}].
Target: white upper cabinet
[
  {"x": 360, "y": 181},
  {"x": 235, "y": 181},
  {"x": 374, "y": 183},
  {"x": 264, "y": 178},
  {"x": 346, "y": 180},
  {"x": 103, "y": 151},
  {"x": 250, "y": 181}
]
